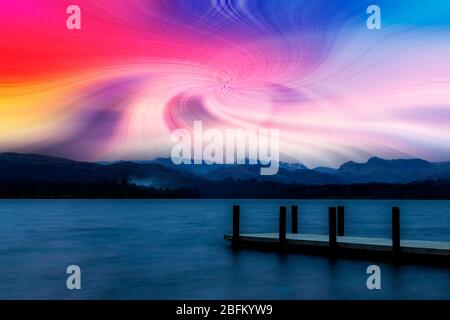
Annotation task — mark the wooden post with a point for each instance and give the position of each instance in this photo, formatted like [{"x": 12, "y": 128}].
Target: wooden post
[
  {"x": 282, "y": 231},
  {"x": 294, "y": 219},
  {"x": 236, "y": 218},
  {"x": 332, "y": 227},
  {"x": 340, "y": 223},
  {"x": 395, "y": 229}
]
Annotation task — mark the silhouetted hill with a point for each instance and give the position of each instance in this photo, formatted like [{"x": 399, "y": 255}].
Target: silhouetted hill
[
  {"x": 32, "y": 167},
  {"x": 246, "y": 172},
  {"x": 287, "y": 173},
  {"x": 326, "y": 170},
  {"x": 374, "y": 170},
  {"x": 37, "y": 176},
  {"x": 37, "y": 168},
  {"x": 162, "y": 172},
  {"x": 392, "y": 171}
]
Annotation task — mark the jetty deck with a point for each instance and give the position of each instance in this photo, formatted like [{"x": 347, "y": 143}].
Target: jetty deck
[
  {"x": 431, "y": 248},
  {"x": 337, "y": 243}
]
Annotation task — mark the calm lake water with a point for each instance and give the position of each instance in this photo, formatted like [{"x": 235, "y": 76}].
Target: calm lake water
[{"x": 146, "y": 249}]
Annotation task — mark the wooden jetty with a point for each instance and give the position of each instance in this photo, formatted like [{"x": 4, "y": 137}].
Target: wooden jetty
[{"x": 337, "y": 244}]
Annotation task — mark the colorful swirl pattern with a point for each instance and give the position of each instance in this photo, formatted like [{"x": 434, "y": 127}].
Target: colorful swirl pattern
[{"x": 139, "y": 69}]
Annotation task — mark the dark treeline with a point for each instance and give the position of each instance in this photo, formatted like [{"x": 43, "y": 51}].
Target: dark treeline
[
  {"x": 227, "y": 189},
  {"x": 86, "y": 190}
]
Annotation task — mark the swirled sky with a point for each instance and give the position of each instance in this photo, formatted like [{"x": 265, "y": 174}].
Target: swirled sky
[{"x": 139, "y": 69}]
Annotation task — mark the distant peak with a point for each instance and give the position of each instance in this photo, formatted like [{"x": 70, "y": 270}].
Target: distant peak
[{"x": 376, "y": 159}]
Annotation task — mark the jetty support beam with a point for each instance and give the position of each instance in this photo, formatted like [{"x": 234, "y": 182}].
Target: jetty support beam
[
  {"x": 282, "y": 226},
  {"x": 395, "y": 230},
  {"x": 236, "y": 222},
  {"x": 332, "y": 227},
  {"x": 294, "y": 219},
  {"x": 340, "y": 223}
]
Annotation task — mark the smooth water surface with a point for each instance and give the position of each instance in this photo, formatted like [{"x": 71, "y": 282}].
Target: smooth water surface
[{"x": 174, "y": 249}]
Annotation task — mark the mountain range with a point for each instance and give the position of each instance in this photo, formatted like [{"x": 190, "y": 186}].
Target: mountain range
[
  {"x": 375, "y": 170},
  {"x": 162, "y": 173},
  {"x": 31, "y": 176}
]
